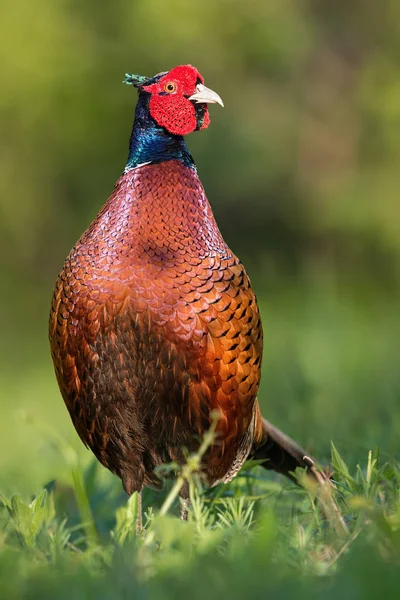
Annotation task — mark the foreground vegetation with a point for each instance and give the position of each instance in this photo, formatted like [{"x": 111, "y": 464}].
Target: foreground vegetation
[{"x": 253, "y": 538}]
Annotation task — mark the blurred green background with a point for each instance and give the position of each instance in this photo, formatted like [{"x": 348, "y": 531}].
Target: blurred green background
[{"x": 301, "y": 168}]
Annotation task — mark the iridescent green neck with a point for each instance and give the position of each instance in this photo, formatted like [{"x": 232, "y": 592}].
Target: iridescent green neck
[{"x": 151, "y": 143}]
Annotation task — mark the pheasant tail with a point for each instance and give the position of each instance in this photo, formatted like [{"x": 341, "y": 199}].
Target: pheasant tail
[{"x": 282, "y": 454}]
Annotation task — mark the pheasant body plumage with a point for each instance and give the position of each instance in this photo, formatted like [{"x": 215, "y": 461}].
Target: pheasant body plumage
[{"x": 154, "y": 323}]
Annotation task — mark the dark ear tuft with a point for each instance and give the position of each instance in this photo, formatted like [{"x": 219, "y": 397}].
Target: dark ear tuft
[{"x": 135, "y": 80}]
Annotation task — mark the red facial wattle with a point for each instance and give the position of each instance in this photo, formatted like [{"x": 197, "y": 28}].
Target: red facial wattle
[
  {"x": 176, "y": 114},
  {"x": 170, "y": 104}
]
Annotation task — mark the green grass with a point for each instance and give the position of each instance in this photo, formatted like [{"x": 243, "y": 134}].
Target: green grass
[{"x": 253, "y": 538}]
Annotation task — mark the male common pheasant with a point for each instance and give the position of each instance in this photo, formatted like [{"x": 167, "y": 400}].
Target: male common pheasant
[{"x": 154, "y": 323}]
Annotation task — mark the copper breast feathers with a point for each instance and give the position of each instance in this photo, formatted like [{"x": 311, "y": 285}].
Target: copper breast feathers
[{"x": 154, "y": 324}]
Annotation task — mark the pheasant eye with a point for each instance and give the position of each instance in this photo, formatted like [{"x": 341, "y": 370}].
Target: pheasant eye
[{"x": 170, "y": 87}]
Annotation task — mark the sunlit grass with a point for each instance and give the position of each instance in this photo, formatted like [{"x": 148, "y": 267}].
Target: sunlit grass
[{"x": 248, "y": 535}]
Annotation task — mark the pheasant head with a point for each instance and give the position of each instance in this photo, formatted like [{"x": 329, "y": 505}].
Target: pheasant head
[{"x": 177, "y": 99}]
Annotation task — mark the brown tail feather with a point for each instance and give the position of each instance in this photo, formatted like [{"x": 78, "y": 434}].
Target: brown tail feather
[{"x": 282, "y": 454}]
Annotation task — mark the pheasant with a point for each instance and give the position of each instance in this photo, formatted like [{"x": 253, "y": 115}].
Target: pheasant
[{"x": 154, "y": 323}]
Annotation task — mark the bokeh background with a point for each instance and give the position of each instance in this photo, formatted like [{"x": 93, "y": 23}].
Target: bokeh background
[{"x": 301, "y": 168}]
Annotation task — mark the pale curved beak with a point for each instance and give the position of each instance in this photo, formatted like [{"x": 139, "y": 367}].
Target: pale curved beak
[{"x": 204, "y": 95}]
